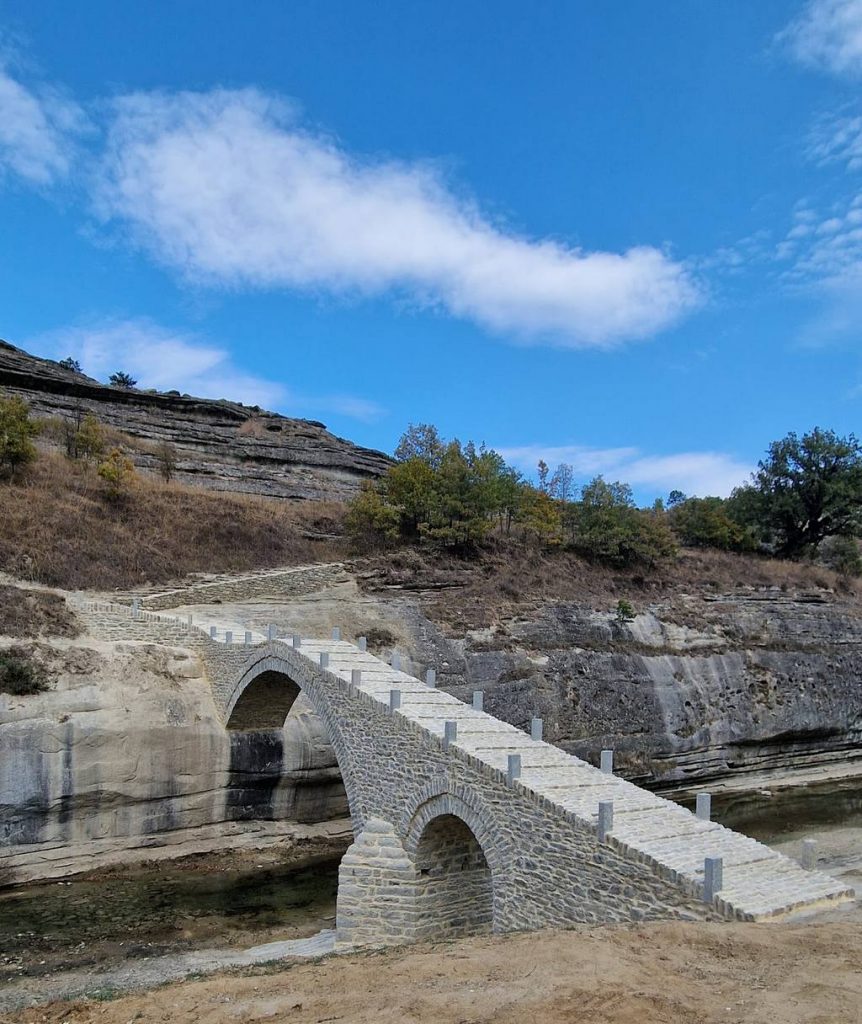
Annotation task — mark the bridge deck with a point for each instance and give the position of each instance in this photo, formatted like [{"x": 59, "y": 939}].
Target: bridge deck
[{"x": 757, "y": 882}]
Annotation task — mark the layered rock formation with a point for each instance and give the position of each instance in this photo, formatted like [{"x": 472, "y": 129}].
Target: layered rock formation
[
  {"x": 124, "y": 758},
  {"x": 757, "y": 681},
  {"x": 220, "y": 445},
  {"x": 697, "y": 688}
]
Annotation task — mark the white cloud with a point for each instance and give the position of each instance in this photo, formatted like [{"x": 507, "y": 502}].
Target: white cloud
[
  {"x": 228, "y": 189},
  {"x": 174, "y": 360},
  {"x": 837, "y": 139},
  {"x": 827, "y": 34},
  {"x": 37, "y": 131},
  {"x": 700, "y": 473},
  {"x": 824, "y": 247}
]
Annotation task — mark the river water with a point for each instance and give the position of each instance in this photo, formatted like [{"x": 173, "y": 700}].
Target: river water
[{"x": 156, "y": 909}]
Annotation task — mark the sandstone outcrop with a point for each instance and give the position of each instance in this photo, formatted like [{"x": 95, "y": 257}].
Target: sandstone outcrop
[
  {"x": 125, "y": 758},
  {"x": 220, "y": 445}
]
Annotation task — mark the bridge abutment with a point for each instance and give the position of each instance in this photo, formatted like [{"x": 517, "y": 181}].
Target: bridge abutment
[{"x": 376, "y": 889}]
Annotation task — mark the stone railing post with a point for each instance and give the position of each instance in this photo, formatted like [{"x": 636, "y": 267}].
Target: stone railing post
[
  {"x": 606, "y": 819},
  {"x": 703, "y": 808},
  {"x": 713, "y": 881},
  {"x": 394, "y": 700},
  {"x": 536, "y": 726},
  {"x": 607, "y": 762},
  {"x": 450, "y": 733},
  {"x": 431, "y": 677},
  {"x": 513, "y": 768},
  {"x": 808, "y": 859},
  {"x": 478, "y": 700}
]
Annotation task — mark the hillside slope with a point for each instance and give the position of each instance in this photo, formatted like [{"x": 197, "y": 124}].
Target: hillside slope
[{"x": 221, "y": 445}]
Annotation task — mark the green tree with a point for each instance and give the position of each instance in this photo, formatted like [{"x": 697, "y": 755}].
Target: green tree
[
  {"x": 71, "y": 364},
  {"x": 459, "y": 519},
  {"x": 89, "y": 439},
  {"x": 607, "y": 527},
  {"x": 420, "y": 441},
  {"x": 121, "y": 379},
  {"x": 807, "y": 489},
  {"x": 410, "y": 487},
  {"x": 540, "y": 516},
  {"x": 705, "y": 522},
  {"x": 17, "y": 431}
]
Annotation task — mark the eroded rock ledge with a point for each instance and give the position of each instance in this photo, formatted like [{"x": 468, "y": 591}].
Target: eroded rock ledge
[{"x": 221, "y": 445}]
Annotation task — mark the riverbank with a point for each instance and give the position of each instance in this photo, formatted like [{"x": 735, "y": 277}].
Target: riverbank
[{"x": 664, "y": 973}]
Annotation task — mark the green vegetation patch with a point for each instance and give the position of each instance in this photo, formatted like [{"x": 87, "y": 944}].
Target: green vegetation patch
[{"x": 19, "y": 675}]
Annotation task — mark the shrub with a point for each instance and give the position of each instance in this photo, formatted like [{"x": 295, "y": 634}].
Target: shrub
[
  {"x": 17, "y": 431},
  {"x": 71, "y": 364},
  {"x": 625, "y": 611},
  {"x": 842, "y": 555},
  {"x": 19, "y": 676},
  {"x": 118, "y": 472},
  {"x": 166, "y": 458},
  {"x": 89, "y": 439},
  {"x": 370, "y": 522}
]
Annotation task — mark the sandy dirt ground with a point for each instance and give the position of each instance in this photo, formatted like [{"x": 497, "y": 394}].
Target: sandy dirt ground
[{"x": 648, "y": 974}]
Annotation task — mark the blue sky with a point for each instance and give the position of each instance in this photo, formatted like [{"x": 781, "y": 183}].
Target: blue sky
[{"x": 625, "y": 235}]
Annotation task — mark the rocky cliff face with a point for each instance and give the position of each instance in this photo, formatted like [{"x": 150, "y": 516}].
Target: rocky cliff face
[
  {"x": 754, "y": 681},
  {"x": 125, "y": 758},
  {"x": 220, "y": 445}
]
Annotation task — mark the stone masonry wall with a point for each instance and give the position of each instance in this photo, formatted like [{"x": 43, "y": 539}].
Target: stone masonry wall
[
  {"x": 292, "y": 582},
  {"x": 548, "y": 869}
]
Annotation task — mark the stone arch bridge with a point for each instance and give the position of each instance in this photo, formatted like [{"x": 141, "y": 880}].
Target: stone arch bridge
[{"x": 463, "y": 823}]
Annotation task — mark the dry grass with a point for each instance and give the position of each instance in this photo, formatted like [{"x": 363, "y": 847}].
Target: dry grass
[
  {"x": 28, "y": 613},
  {"x": 512, "y": 579},
  {"x": 59, "y": 528}
]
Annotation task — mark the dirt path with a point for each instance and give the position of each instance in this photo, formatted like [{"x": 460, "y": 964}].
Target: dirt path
[{"x": 650, "y": 974}]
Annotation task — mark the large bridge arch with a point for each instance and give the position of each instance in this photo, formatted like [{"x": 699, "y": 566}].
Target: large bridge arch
[{"x": 268, "y": 689}]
